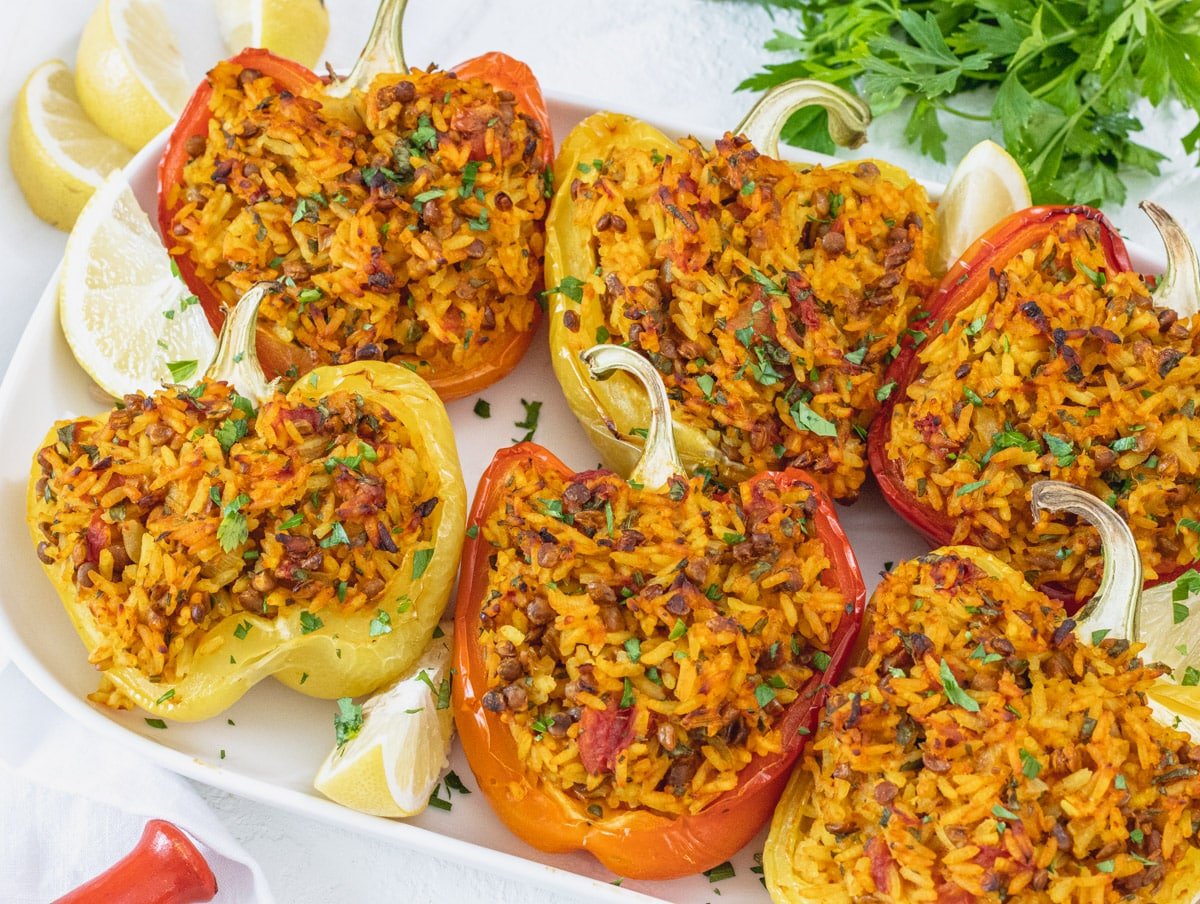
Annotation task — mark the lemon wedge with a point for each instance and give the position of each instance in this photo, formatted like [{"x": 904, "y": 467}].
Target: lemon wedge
[
  {"x": 128, "y": 71},
  {"x": 296, "y": 29},
  {"x": 391, "y": 766},
  {"x": 987, "y": 186},
  {"x": 58, "y": 155},
  {"x": 129, "y": 320}
]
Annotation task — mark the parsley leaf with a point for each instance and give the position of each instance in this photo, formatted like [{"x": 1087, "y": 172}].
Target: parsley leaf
[
  {"x": 1061, "y": 79},
  {"x": 954, "y": 692}
]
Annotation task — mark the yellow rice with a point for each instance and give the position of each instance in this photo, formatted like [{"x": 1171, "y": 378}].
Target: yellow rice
[
  {"x": 998, "y": 406},
  {"x": 691, "y": 621},
  {"x": 402, "y": 229},
  {"x": 180, "y": 509},
  {"x": 1061, "y": 788},
  {"x": 770, "y": 298}
]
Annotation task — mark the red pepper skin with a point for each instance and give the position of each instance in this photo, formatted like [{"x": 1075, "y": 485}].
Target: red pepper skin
[
  {"x": 636, "y": 844},
  {"x": 497, "y": 69},
  {"x": 164, "y": 868},
  {"x": 964, "y": 282}
]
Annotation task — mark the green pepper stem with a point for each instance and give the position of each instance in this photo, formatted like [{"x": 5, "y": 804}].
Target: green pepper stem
[
  {"x": 1114, "y": 608},
  {"x": 1179, "y": 288},
  {"x": 384, "y": 51},
  {"x": 236, "y": 358},
  {"x": 660, "y": 460},
  {"x": 849, "y": 115}
]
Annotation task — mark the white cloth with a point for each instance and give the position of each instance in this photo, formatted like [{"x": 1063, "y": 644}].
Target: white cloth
[{"x": 73, "y": 803}]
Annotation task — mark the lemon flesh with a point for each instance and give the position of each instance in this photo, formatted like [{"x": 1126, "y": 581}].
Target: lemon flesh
[
  {"x": 129, "y": 71},
  {"x": 393, "y": 764},
  {"x": 58, "y": 155},
  {"x": 986, "y": 187},
  {"x": 295, "y": 29},
  {"x": 124, "y": 313}
]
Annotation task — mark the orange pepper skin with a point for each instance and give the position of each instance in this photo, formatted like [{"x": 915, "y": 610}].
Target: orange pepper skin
[
  {"x": 497, "y": 69},
  {"x": 636, "y": 844}
]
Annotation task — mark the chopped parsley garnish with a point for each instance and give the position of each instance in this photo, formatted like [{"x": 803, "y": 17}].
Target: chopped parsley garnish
[
  {"x": 483, "y": 408},
  {"x": 380, "y": 624},
  {"x": 165, "y": 697},
  {"x": 723, "y": 870},
  {"x": 533, "y": 411},
  {"x": 764, "y": 694},
  {"x": 821, "y": 660},
  {"x": 884, "y": 392},
  {"x": 156, "y": 723},
  {"x": 570, "y": 286},
  {"x": 954, "y": 692},
  {"x": 230, "y": 431},
  {"x": 1062, "y": 450},
  {"x": 633, "y": 647},
  {"x": 470, "y": 171},
  {"x": 1097, "y": 278},
  {"x": 679, "y": 630},
  {"x": 807, "y": 419},
  {"x": 970, "y": 488},
  {"x": 233, "y": 531},
  {"x": 1030, "y": 765},
  {"x": 310, "y": 622},
  {"x": 337, "y": 537},
  {"x": 347, "y": 721},
  {"x": 454, "y": 783},
  {"x": 181, "y": 370},
  {"x": 627, "y": 695},
  {"x": 421, "y": 559},
  {"x": 771, "y": 287},
  {"x": 1004, "y": 813}
]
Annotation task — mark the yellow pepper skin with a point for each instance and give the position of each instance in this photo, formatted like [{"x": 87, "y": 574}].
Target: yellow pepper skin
[
  {"x": 610, "y": 410},
  {"x": 340, "y": 657}
]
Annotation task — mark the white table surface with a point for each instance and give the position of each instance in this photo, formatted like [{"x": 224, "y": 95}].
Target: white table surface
[{"x": 683, "y": 57}]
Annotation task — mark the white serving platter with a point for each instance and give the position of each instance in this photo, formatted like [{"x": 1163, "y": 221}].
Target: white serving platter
[{"x": 274, "y": 739}]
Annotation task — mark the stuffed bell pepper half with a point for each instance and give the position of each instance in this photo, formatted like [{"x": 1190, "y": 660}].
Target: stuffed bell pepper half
[
  {"x": 401, "y": 211},
  {"x": 1047, "y": 356},
  {"x": 640, "y": 661},
  {"x": 205, "y": 537},
  {"x": 770, "y": 296},
  {"x": 990, "y": 748}
]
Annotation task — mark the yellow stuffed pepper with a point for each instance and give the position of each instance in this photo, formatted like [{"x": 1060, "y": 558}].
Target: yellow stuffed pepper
[
  {"x": 990, "y": 748},
  {"x": 204, "y": 538},
  {"x": 769, "y": 295}
]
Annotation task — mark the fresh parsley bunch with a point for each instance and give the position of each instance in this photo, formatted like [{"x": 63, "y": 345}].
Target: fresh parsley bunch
[{"x": 1065, "y": 74}]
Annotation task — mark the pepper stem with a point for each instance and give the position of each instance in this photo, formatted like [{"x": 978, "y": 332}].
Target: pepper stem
[
  {"x": 384, "y": 51},
  {"x": 660, "y": 461},
  {"x": 1114, "y": 608},
  {"x": 849, "y": 115},
  {"x": 1179, "y": 288},
  {"x": 236, "y": 359}
]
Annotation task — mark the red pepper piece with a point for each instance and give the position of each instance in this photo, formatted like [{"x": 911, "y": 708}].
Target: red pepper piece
[{"x": 164, "y": 868}]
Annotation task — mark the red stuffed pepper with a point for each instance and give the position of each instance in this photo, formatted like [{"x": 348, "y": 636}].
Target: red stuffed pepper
[
  {"x": 640, "y": 662},
  {"x": 401, "y": 210},
  {"x": 1047, "y": 356}
]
